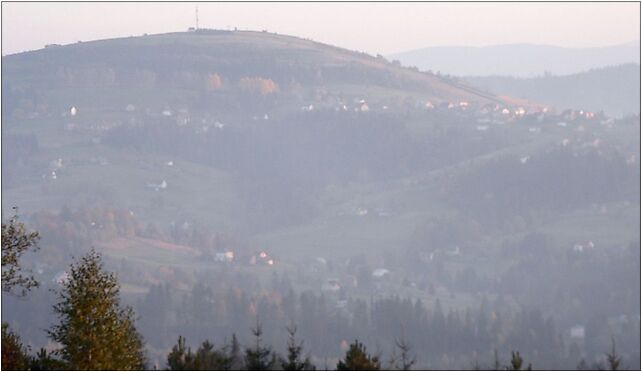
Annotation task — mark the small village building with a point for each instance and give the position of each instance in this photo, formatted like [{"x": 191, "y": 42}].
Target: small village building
[
  {"x": 380, "y": 273},
  {"x": 577, "y": 332}
]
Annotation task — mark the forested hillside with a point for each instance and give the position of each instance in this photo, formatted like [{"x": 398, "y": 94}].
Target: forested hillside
[{"x": 231, "y": 177}]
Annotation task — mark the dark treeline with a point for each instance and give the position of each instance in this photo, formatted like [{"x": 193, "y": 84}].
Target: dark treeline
[
  {"x": 444, "y": 336},
  {"x": 441, "y": 337},
  {"x": 560, "y": 179}
]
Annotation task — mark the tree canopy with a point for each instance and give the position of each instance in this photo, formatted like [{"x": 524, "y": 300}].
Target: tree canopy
[
  {"x": 358, "y": 359},
  {"x": 16, "y": 241},
  {"x": 95, "y": 331}
]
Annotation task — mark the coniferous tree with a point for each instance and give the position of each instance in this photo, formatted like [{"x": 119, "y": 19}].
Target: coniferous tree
[
  {"x": 208, "y": 358},
  {"x": 294, "y": 360},
  {"x": 45, "y": 361},
  {"x": 234, "y": 354},
  {"x": 95, "y": 331},
  {"x": 613, "y": 358},
  {"x": 259, "y": 357},
  {"x": 405, "y": 361},
  {"x": 358, "y": 359},
  {"x": 179, "y": 359},
  {"x": 516, "y": 362}
]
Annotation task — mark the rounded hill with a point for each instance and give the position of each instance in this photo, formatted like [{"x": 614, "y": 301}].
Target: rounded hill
[{"x": 224, "y": 61}]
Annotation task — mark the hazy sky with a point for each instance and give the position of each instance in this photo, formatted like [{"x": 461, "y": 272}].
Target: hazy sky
[{"x": 371, "y": 27}]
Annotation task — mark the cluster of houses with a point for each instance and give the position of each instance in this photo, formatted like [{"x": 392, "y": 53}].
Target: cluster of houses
[
  {"x": 348, "y": 281},
  {"x": 226, "y": 257},
  {"x": 363, "y": 211},
  {"x": 484, "y": 115},
  {"x": 229, "y": 256},
  {"x": 263, "y": 258},
  {"x": 579, "y": 247}
]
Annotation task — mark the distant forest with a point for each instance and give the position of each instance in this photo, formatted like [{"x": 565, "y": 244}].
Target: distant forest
[{"x": 614, "y": 90}]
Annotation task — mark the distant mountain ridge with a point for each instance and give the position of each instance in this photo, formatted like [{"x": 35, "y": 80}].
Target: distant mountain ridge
[
  {"x": 614, "y": 90},
  {"x": 518, "y": 60}
]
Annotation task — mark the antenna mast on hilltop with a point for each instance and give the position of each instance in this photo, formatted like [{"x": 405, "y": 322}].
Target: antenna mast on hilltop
[{"x": 197, "y": 18}]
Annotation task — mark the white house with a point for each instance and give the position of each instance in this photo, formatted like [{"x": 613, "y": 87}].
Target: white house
[
  {"x": 380, "y": 273},
  {"x": 577, "y": 332},
  {"x": 157, "y": 187}
]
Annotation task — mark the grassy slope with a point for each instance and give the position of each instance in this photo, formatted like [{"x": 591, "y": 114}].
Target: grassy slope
[{"x": 197, "y": 50}]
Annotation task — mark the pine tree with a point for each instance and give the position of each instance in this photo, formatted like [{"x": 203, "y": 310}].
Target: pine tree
[
  {"x": 259, "y": 358},
  {"x": 208, "y": 358},
  {"x": 357, "y": 359},
  {"x": 294, "y": 362},
  {"x": 405, "y": 361},
  {"x": 95, "y": 332},
  {"x": 234, "y": 354},
  {"x": 179, "y": 359},
  {"x": 45, "y": 361},
  {"x": 613, "y": 358},
  {"x": 516, "y": 362},
  {"x": 15, "y": 242}
]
